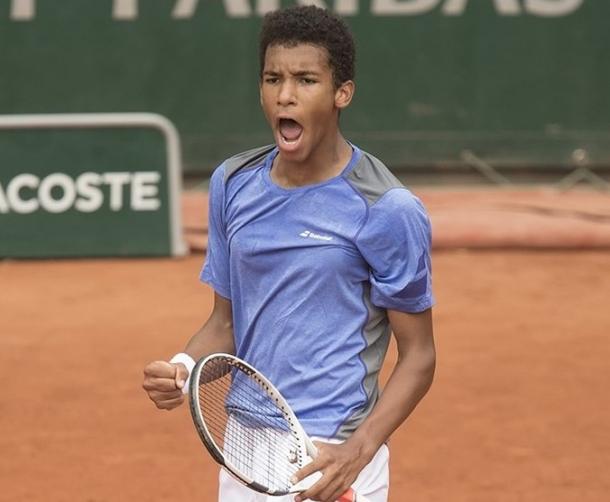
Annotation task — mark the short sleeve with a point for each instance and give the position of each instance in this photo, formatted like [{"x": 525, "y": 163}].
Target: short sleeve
[
  {"x": 215, "y": 270},
  {"x": 395, "y": 240}
]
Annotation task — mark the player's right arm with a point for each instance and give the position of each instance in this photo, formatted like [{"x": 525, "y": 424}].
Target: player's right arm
[{"x": 164, "y": 381}]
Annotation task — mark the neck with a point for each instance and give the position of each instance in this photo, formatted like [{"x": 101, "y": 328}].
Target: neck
[{"x": 326, "y": 162}]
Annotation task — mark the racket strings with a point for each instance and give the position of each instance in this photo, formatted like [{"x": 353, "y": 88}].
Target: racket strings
[
  {"x": 241, "y": 448},
  {"x": 248, "y": 426},
  {"x": 238, "y": 433},
  {"x": 251, "y": 439}
]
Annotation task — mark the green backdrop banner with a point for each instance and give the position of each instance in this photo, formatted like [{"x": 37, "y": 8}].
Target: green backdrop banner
[
  {"x": 89, "y": 192},
  {"x": 515, "y": 81}
]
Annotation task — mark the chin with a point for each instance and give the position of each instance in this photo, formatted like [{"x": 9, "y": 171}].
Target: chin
[{"x": 292, "y": 156}]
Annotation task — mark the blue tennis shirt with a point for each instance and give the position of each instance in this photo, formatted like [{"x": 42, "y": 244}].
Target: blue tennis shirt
[{"x": 310, "y": 272}]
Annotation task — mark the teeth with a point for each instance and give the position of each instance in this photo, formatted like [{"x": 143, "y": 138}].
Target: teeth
[{"x": 289, "y": 142}]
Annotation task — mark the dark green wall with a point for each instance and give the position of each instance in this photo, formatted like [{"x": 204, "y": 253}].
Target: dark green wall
[{"x": 496, "y": 77}]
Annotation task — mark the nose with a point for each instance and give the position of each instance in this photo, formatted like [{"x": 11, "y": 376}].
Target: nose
[{"x": 286, "y": 95}]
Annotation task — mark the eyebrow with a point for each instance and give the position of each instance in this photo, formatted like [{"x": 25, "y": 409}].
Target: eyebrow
[
  {"x": 301, "y": 73},
  {"x": 306, "y": 73}
]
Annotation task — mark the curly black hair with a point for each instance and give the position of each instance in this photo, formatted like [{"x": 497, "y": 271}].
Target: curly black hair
[{"x": 311, "y": 25}]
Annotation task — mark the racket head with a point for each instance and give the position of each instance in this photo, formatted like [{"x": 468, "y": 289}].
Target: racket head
[{"x": 246, "y": 424}]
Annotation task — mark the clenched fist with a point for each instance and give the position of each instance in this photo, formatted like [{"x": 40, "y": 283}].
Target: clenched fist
[{"x": 164, "y": 382}]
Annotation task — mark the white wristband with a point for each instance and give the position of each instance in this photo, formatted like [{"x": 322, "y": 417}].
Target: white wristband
[{"x": 189, "y": 362}]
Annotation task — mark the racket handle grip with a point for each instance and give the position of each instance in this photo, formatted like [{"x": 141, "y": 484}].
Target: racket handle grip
[
  {"x": 348, "y": 496},
  {"x": 351, "y": 496}
]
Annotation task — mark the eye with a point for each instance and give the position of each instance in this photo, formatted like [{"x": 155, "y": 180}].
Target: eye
[
  {"x": 307, "y": 81},
  {"x": 271, "y": 80}
]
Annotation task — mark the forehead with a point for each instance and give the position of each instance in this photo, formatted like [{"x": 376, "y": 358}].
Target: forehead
[{"x": 296, "y": 58}]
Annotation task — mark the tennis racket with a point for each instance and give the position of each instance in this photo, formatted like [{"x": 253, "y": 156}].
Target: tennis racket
[{"x": 248, "y": 427}]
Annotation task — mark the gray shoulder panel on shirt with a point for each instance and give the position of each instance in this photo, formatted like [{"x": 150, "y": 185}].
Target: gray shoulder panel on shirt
[
  {"x": 246, "y": 159},
  {"x": 372, "y": 178}
]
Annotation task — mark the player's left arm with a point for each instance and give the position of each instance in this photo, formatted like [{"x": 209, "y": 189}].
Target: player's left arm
[{"x": 407, "y": 385}]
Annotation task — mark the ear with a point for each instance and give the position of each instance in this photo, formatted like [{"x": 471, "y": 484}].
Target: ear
[{"x": 344, "y": 94}]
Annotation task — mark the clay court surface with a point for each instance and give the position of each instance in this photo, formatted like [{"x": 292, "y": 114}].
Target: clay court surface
[{"x": 519, "y": 410}]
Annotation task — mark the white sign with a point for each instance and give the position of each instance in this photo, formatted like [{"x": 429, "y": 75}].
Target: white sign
[{"x": 58, "y": 192}]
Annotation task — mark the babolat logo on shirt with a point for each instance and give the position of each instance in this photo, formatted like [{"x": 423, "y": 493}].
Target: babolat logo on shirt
[
  {"x": 58, "y": 192},
  {"x": 311, "y": 235}
]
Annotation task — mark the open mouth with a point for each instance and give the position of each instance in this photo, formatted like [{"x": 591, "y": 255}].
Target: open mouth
[{"x": 290, "y": 131}]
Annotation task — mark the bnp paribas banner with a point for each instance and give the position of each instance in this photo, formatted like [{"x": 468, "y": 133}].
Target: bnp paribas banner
[{"x": 514, "y": 81}]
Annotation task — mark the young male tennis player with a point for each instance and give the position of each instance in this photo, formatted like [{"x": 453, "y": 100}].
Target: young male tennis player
[{"x": 317, "y": 254}]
